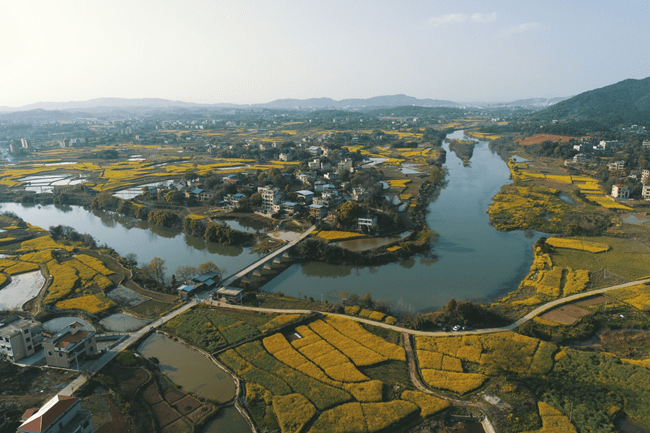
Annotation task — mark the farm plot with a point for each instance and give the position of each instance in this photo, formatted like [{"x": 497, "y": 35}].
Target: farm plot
[
  {"x": 316, "y": 379},
  {"x": 451, "y": 363},
  {"x": 566, "y": 314},
  {"x": 212, "y": 329}
]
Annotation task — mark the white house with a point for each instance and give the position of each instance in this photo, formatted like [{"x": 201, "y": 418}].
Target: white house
[{"x": 620, "y": 191}]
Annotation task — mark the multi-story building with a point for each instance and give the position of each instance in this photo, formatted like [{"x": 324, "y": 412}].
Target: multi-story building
[
  {"x": 620, "y": 191},
  {"x": 645, "y": 192},
  {"x": 20, "y": 338},
  {"x": 272, "y": 198},
  {"x": 72, "y": 343},
  {"x": 24, "y": 143},
  {"x": 62, "y": 414}
]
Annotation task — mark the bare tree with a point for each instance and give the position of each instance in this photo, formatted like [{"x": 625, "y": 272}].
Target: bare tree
[
  {"x": 186, "y": 272},
  {"x": 156, "y": 270}
]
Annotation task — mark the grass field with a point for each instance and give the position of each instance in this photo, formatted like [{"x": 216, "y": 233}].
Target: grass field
[{"x": 628, "y": 258}]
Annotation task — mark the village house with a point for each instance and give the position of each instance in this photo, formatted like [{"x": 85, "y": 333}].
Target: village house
[
  {"x": 206, "y": 280},
  {"x": 305, "y": 196},
  {"x": 291, "y": 207},
  {"x": 367, "y": 221},
  {"x": 62, "y": 414},
  {"x": 20, "y": 338},
  {"x": 317, "y": 210},
  {"x": 616, "y": 165},
  {"x": 645, "y": 192},
  {"x": 233, "y": 200},
  {"x": 620, "y": 192},
  {"x": 272, "y": 198},
  {"x": 229, "y": 295},
  {"x": 75, "y": 341},
  {"x": 185, "y": 291}
]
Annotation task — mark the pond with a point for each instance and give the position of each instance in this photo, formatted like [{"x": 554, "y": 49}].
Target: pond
[
  {"x": 472, "y": 260},
  {"x": 20, "y": 290},
  {"x": 122, "y": 323},
  {"x": 55, "y": 325},
  {"x": 189, "y": 368},
  {"x": 227, "y": 420}
]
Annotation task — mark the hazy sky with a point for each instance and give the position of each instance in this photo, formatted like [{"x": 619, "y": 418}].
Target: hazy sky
[{"x": 244, "y": 51}]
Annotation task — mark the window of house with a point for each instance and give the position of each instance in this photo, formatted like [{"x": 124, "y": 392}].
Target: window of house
[
  {"x": 29, "y": 347},
  {"x": 60, "y": 355},
  {"x": 28, "y": 339},
  {"x": 49, "y": 353}
]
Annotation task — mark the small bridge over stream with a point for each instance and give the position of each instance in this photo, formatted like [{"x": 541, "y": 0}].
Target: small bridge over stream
[{"x": 267, "y": 261}]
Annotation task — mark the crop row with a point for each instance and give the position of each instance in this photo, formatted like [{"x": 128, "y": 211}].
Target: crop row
[
  {"x": 363, "y": 417},
  {"x": 91, "y": 303},
  {"x": 553, "y": 421},
  {"x": 577, "y": 244},
  {"x": 440, "y": 358},
  {"x": 638, "y": 296}
]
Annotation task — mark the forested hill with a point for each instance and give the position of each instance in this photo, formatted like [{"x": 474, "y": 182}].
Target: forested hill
[{"x": 626, "y": 102}]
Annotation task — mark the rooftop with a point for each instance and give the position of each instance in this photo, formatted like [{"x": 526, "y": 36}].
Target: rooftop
[{"x": 48, "y": 414}]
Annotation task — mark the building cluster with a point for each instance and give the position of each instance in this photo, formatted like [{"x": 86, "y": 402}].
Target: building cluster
[{"x": 22, "y": 338}]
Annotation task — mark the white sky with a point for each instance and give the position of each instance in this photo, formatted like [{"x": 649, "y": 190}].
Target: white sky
[{"x": 250, "y": 51}]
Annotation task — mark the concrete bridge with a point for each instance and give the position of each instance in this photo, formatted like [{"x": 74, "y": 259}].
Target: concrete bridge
[{"x": 267, "y": 261}]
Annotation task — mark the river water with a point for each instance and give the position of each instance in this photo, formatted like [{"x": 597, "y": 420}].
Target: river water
[
  {"x": 127, "y": 235},
  {"x": 474, "y": 260}
]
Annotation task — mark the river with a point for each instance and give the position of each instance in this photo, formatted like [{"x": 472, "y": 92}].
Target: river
[
  {"x": 128, "y": 235},
  {"x": 474, "y": 260}
]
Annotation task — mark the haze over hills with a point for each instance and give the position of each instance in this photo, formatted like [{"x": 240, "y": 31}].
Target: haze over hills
[
  {"x": 627, "y": 101},
  {"x": 286, "y": 104}
]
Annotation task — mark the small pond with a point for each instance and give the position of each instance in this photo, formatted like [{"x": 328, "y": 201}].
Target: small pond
[
  {"x": 245, "y": 225},
  {"x": 20, "y": 290},
  {"x": 55, "y": 325},
  {"x": 122, "y": 323},
  {"x": 228, "y": 420},
  {"x": 189, "y": 368}
]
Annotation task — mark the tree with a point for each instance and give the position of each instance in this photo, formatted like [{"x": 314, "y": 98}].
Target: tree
[
  {"x": 132, "y": 258},
  {"x": 210, "y": 267},
  {"x": 155, "y": 269},
  {"x": 186, "y": 272}
]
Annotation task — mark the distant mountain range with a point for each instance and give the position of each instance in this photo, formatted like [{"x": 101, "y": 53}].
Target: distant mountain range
[
  {"x": 627, "y": 101},
  {"x": 286, "y": 104}
]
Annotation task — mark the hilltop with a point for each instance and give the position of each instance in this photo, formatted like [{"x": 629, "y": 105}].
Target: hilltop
[{"x": 627, "y": 101}]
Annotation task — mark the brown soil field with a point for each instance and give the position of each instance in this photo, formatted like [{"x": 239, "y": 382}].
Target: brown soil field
[
  {"x": 165, "y": 414},
  {"x": 179, "y": 426},
  {"x": 186, "y": 405},
  {"x": 567, "y": 314},
  {"x": 200, "y": 413},
  {"x": 113, "y": 420},
  {"x": 172, "y": 395},
  {"x": 597, "y": 300},
  {"x": 150, "y": 394},
  {"x": 540, "y": 138},
  {"x": 131, "y": 385}
]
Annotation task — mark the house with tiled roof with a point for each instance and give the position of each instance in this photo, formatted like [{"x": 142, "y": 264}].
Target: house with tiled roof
[
  {"x": 62, "y": 414},
  {"x": 73, "y": 343}
]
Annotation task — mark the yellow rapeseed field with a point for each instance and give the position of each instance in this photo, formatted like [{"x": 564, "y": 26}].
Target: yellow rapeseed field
[
  {"x": 577, "y": 244},
  {"x": 553, "y": 421}
]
